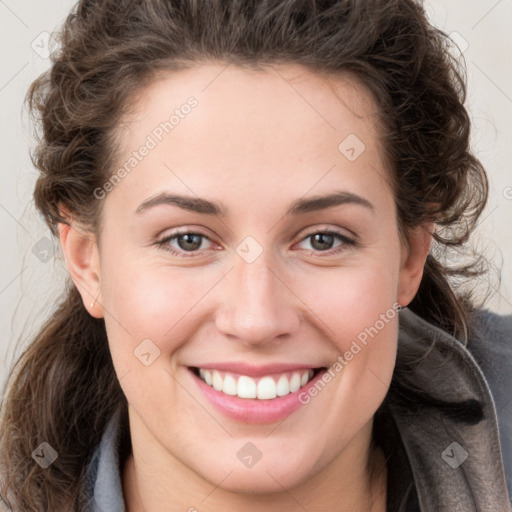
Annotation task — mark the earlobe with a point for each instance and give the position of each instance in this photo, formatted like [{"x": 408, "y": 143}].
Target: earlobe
[
  {"x": 82, "y": 260},
  {"x": 415, "y": 256}
]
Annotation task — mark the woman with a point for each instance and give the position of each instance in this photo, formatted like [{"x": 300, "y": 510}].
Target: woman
[{"x": 253, "y": 200}]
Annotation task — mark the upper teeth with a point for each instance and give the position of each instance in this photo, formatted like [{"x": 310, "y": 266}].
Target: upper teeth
[{"x": 264, "y": 388}]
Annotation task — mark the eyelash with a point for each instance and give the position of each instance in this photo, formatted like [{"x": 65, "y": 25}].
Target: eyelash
[{"x": 346, "y": 241}]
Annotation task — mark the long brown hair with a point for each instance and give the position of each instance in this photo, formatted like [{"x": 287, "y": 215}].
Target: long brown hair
[{"x": 63, "y": 389}]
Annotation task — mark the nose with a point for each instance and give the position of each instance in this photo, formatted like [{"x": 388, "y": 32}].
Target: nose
[{"x": 257, "y": 304}]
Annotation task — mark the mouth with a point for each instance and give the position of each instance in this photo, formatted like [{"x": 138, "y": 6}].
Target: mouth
[
  {"x": 264, "y": 387},
  {"x": 256, "y": 394}
]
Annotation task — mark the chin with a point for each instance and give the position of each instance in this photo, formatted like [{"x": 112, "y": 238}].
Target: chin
[{"x": 258, "y": 481}]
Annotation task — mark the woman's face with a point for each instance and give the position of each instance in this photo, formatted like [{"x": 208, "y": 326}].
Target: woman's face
[{"x": 255, "y": 237}]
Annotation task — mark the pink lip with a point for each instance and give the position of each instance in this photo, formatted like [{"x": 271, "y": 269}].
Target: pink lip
[
  {"x": 242, "y": 368},
  {"x": 252, "y": 410}
]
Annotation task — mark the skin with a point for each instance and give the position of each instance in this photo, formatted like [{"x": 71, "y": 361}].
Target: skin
[{"x": 252, "y": 132}]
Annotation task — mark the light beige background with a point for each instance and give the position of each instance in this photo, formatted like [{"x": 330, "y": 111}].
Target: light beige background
[{"x": 29, "y": 285}]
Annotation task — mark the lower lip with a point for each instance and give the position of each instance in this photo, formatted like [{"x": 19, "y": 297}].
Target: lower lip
[{"x": 252, "y": 410}]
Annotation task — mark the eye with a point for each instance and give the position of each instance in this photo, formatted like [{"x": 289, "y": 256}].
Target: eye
[
  {"x": 184, "y": 242},
  {"x": 181, "y": 243},
  {"x": 322, "y": 242}
]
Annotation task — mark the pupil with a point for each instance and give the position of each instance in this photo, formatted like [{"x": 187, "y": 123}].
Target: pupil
[
  {"x": 188, "y": 237},
  {"x": 323, "y": 239}
]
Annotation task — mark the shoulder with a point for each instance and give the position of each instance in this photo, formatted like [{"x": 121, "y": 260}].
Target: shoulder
[
  {"x": 491, "y": 347},
  {"x": 488, "y": 324}
]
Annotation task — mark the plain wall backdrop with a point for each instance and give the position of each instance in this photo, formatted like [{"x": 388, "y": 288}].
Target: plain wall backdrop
[{"x": 32, "y": 269}]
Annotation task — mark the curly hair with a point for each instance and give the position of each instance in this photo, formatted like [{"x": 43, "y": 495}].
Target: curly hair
[{"x": 63, "y": 388}]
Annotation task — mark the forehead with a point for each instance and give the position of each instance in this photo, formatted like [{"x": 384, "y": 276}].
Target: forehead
[
  {"x": 258, "y": 126},
  {"x": 291, "y": 86}
]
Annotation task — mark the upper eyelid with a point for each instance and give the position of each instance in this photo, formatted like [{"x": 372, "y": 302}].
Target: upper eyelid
[
  {"x": 327, "y": 229},
  {"x": 309, "y": 231}
]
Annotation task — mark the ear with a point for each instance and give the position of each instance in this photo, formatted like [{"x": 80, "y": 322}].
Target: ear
[
  {"x": 413, "y": 261},
  {"x": 82, "y": 260}
]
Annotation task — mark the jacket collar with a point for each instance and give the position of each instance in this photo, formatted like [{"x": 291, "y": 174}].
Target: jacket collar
[
  {"x": 446, "y": 417},
  {"x": 104, "y": 472}
]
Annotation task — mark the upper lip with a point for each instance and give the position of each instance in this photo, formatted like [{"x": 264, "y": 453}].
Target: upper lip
[{"x": 250, "y": 370}]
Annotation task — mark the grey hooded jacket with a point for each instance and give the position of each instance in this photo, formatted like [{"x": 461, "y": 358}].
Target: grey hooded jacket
[{"x": 445, "y": 424}]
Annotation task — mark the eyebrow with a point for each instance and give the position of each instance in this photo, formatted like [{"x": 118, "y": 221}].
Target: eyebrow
[{"x": 299, "y": 206}]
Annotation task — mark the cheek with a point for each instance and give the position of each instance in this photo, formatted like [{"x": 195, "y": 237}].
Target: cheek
[
  {"x": 350, "y": 300},
  {"x": 144, "y": 303},
  {"x": 358, "y": 312},
  {"x": 146, "y": 322},
  {"x": 154, "y": 301}
]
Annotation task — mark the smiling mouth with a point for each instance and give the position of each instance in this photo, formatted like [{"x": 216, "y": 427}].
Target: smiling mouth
[{"x": 266, "y": 387}]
